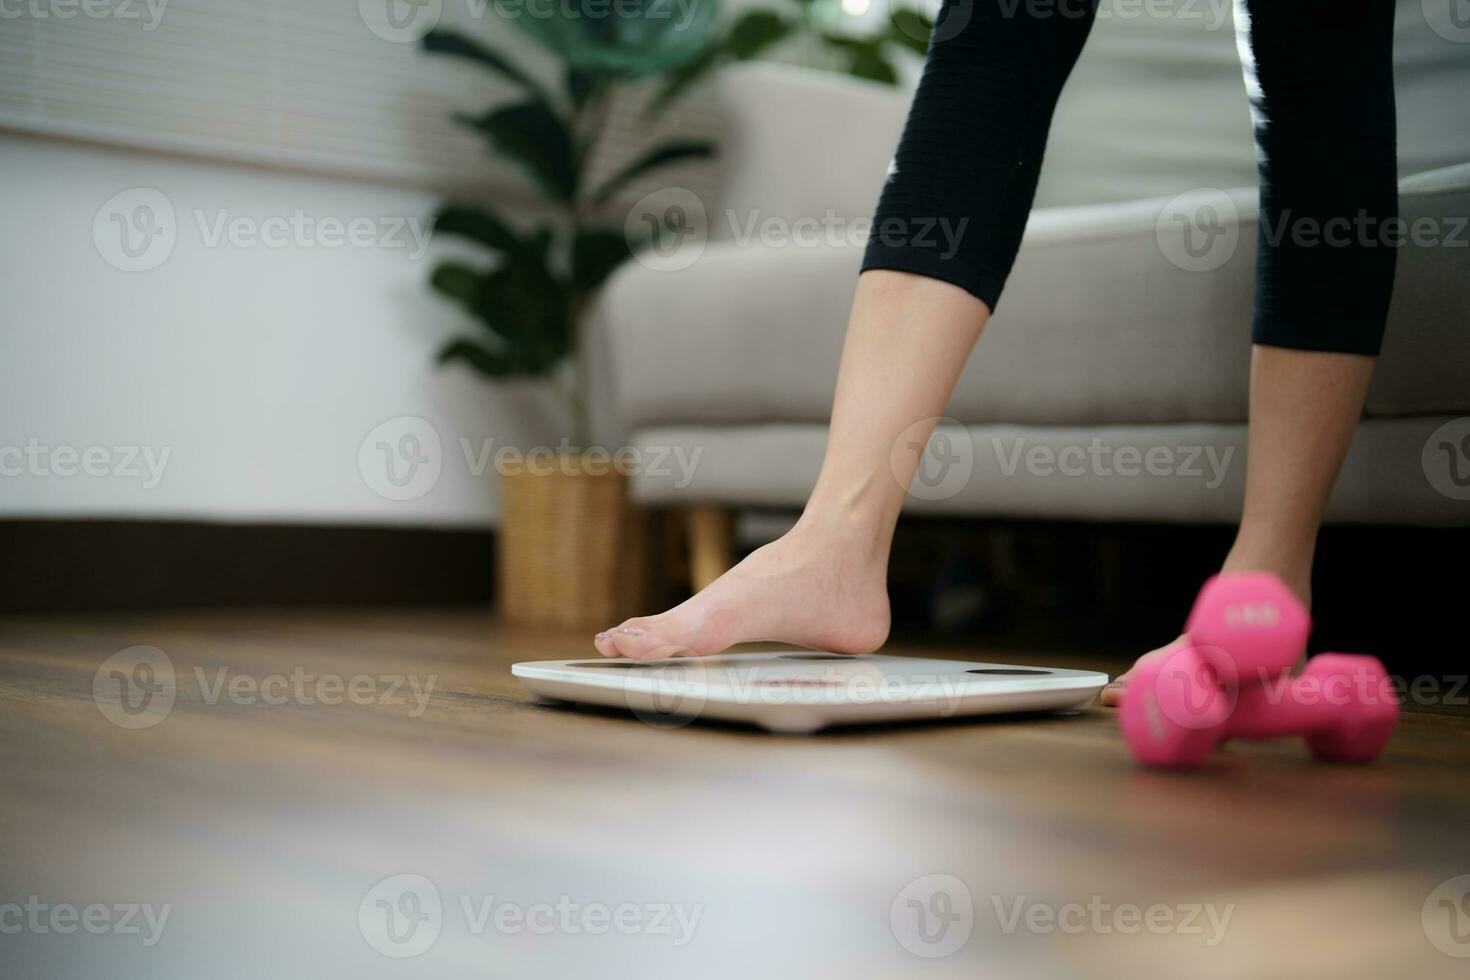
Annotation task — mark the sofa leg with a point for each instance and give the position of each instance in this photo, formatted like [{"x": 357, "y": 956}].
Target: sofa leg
[{"x": 711, "y": 543}]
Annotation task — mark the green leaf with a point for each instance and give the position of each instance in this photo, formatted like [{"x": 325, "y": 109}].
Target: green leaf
[
  {"x": 868, "y": 62},
  {"x": 529, "y": 307},
  {"x": 596, "y": 252},
  {"x": 532, "y": 135},
  {"x": 581, "y": 87},
  {"x": 748, "y": 37},
  {"x": 459, "y": 282},
  {"x": 846, "y": 42},
  {"x": 540, "y": 243},
  {"x": 458, "y": 45},
  {"x": 494, "y": 364},
  {"x": 657, "y": 157},
  {"x": 911, "y": 29},
  {"x": 865, "y": 56},
  {"x": 478, "y": 225},
  {"x": 753, "y": 33},
  {"x": 524, "y": 307},
  {"x": 633, "y": 39}
]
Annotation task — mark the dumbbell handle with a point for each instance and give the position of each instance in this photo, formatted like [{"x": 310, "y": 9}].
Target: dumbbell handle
[
  {"x": 1280, "y": 707},
  {"x": 1303, "y": 704}
]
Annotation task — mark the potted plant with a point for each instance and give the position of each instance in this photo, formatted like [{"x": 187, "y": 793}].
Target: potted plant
[
  {"x": 569, "y": 546},
  {"x": 822, "y": 28}
]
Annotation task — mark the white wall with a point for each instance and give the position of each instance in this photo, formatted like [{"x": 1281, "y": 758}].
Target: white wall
[{"x": 258, "y": 368}]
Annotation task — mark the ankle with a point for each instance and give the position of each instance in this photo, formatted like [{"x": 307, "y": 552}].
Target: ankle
[
  {"x": 1293, "y": 568},
  {"x": 853, "y": 526}
]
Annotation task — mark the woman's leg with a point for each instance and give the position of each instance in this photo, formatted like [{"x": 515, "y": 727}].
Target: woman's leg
[
  {"x": 824, "y": 584},
  {"x": 969, "y": 156},
  {"x": 1320, "y": 76},
  {"x": 1304, "y": 408}
]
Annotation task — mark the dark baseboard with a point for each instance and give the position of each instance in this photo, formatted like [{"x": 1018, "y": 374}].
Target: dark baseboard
[
  {"x": 1392, "y": 591},
  {"x": 83, "y": 565}
]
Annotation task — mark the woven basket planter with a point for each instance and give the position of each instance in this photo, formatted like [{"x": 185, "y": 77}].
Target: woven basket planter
[{"x": 572, "y": 548}]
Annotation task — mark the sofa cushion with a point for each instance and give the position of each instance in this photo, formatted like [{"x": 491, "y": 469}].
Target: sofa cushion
[{"x": 1193, "y": 473}]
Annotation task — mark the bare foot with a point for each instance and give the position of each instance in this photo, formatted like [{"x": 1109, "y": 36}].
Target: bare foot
[
  {"x": 1112, "y": 695},
  {"x": 814, "y": 587}
]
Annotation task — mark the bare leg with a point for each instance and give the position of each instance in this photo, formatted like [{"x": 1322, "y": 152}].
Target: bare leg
[
  {"x": 1304, "y": 408},
  {"x": 824, "y": 584}
]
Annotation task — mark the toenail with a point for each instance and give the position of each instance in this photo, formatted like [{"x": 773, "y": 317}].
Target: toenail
[
  {"x": 601, "y": 636},
  {"x": 1118, "y": 683},
  {"x": 631, "y": 630}
]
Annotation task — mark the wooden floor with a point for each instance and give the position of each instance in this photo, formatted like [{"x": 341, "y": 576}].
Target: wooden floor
[{"x": 266, "y": 828}]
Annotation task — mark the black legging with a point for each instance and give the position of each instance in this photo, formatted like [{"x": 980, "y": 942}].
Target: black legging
[{"x": 1320, "y": 81}]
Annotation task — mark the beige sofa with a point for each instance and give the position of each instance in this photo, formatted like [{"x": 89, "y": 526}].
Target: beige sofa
[{"x": 1111, "y": 383}]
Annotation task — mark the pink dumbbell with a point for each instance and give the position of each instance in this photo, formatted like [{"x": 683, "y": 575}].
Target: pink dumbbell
[
  {"x": 1248, "y": 626},
  {"x": 1175, "y": 710}
]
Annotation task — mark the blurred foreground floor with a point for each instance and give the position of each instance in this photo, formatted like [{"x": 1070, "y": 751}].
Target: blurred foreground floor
[{"x": 428, "y": 807}]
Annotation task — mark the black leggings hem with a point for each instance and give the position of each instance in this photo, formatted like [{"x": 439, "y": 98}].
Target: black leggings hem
[
  {"x": 1319, "y": 75},
  {"x": 1320, "y": 333},
  {"x": 978, "y": 281}
]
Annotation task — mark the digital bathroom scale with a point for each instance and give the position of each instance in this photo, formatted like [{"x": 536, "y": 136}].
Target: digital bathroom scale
[{"x": 801, "y": 691}]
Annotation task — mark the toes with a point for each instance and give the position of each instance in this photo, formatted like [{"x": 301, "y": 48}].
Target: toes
[
  {"x": 627, "y": 641},
  {"x": 630, "y": 639},
  {"x": 653, "y": 638},
  {"x": 608, "y": 641},
  {"x": 647, "y": 643},
  {"x": 1112, "y": 694}
]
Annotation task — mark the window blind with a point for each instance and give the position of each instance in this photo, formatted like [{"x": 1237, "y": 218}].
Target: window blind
[{"x": 308, "y": 84}]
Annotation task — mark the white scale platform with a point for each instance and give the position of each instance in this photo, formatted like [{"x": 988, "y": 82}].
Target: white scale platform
[{"x": 800, "y": 691}]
